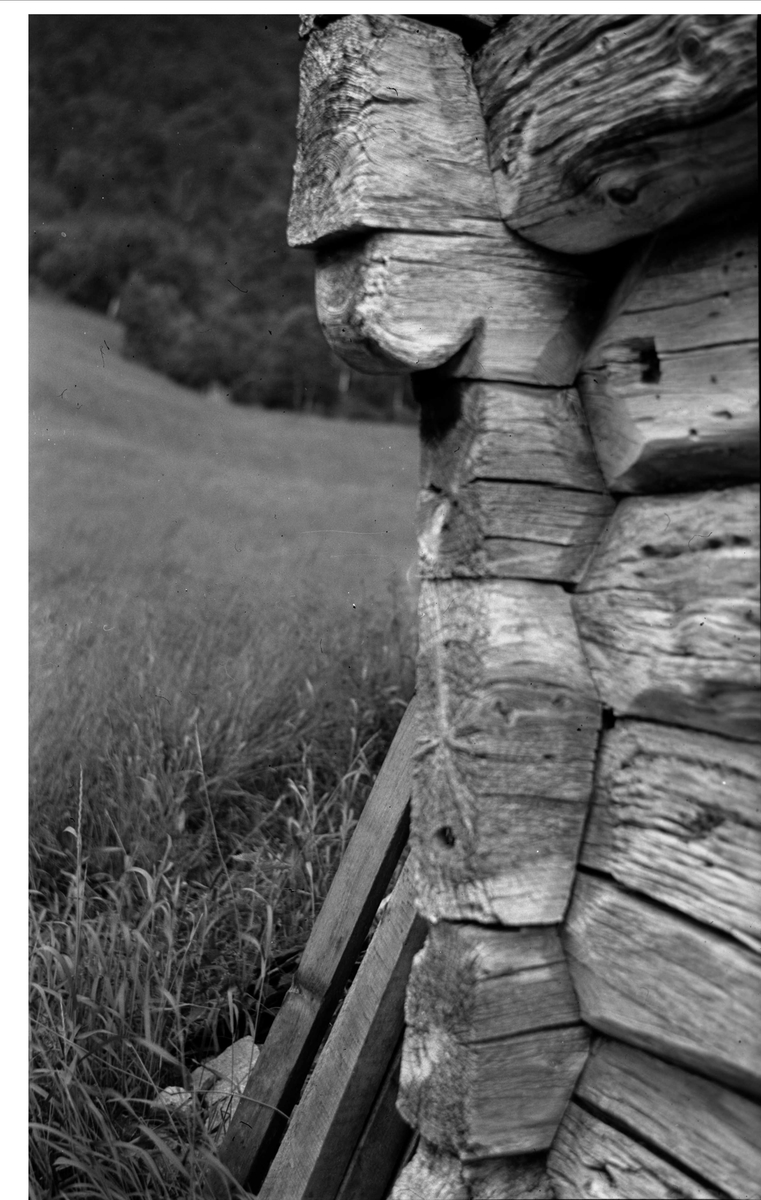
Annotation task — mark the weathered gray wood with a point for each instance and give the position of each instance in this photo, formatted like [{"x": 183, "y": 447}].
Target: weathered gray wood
[
  {"x": 707, "y": 1128},
  {"x": 437, "y": 1174},
  {"x": 493, "y": 530},
  {"x": 508, "y": 730},
  {"x": 499, "y": 431},
  {"x": 493, "y": 1044},
  {"x": 381, "y": 1148},
  {"x": 390, "y": 134},
  {"x": 589, "y": 1159},
  {"x": 676, "y": 815},
  {"x": 495, "y": 458},
  {"x": 411, "y": 302},
  {"x": 328, "y": 1122},
  {"x": 339, "y": 931},
  {"x": 671, "y": 384},
  {"x": 604, "y": 128},
  {"x": 432, "y": 1174},
  {"x": 668, "y": 611},
  {"x": 664, "y": 983}
]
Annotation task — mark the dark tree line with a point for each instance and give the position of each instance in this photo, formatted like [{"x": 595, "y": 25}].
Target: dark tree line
[{"x": 161, "y": 151}]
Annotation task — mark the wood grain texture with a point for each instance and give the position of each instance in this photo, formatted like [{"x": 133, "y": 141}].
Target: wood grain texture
[
  {"x": 604, "y": 128},
  {"x": 498, "y": 431},
  {"x": 432, "y": 1174},
  {"x": 339, "y": 932},
  {"x": 382, "y": 1146},
  {"x": 670, "y": 385},
  {"x": 664, "y": 983},
  {"x": 501, "y": 308},
  {"x": 509, "y": 721},
  {"x": 668, "y": 611},
  {"x": 493, "y": 530},
  {"x": 710, "y": 1130},
  {"x": 437, "y": 1174},
  {"x": 676, "y": 815},
  {"x": 493, "y": 1044},
  {"x": 328, "y": 1122},
  {"x": 590, "y": 1159},
  {"x": 492, "y": 502},
  {"x": 390, "y": 134}
]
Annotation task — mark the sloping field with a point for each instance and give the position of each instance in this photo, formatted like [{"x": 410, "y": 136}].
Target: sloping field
[{"x": 139, "y": 486}]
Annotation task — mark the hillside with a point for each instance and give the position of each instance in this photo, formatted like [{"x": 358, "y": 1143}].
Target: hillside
[{"x": 138, "y": 483}]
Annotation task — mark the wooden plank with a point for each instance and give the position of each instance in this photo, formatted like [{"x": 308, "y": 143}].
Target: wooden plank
[
  {"x": 591, "y": 1159},
  {"x": 710, "y": 1130},
  {"x": 664, "y": 983},
  {"x": 668, "y": 611},
  {"x": 382, "y": 1146},
  {"x": 604, "y": 128},
  {"x": 390, "y": 134},
  {"x": 437, "y": 1174},
  {"x": 472, "y": 430},
  {"x": 499, "y": 307},
  {"x": 491, "y": 530},
  {"x": 339, "y": 932},
  {"x": 676, "y": 815},
  {"x": 328, "y": 1122},
  {"x": 671, "y": 384},
  {"x": 508, "y": 730},
  {"x": 493, "y": 1044}
]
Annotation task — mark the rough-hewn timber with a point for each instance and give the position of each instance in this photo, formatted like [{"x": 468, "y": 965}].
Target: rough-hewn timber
[
  {"x": 676, "y": 815},
  {"x": 509, "y": 721},
  {"x": 591, "y": 1159},
  {"x": 705, "y": 1127},
  {"x": 437, "y": 1174},
  {"x": 385, "y": 303},
  {"x": 390, "y": 134},
  {"x": 670, "y": 385},
  {"x": 604, "y": 128},
  {"x": 493, "y": 1044},
  {"x": 665, "y": 983},
  {"x": 668, "y": 611}
]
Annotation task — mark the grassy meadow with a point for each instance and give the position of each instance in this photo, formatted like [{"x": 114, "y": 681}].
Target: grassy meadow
[{"x": 221, "y": 647}]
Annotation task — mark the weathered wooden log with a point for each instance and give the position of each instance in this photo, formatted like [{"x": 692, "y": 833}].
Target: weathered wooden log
[
  {"x": 496, "y": 530},
  {"x": 501, "y": 308},
  {"x": 668, "y": 611},
  {"x": 707, "y": 1129},
  {"x": 437, "y": 1174},
  {"x": 604, "y": 128},
  {"x": 591, "y": 1159},
  {"x": 390, "y": 134},
  {"x": 676, "y": 816},
  {"x": 493, "y": 1044},
  {"x": 509, "y": 722},
  {"x": 474, "y": 519},
  {"x": 664, "y": 983},
  {"x": 671, "y": 384},
  {"x": 499, "y": 431}
]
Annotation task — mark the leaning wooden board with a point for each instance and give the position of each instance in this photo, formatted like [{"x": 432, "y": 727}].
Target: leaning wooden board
[
  {"x": 327, "y": 1124},
  {"x": 340, "y": 929}
]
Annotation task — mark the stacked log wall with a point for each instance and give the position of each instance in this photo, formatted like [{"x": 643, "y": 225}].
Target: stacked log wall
[{"x": 585, "y": 829}]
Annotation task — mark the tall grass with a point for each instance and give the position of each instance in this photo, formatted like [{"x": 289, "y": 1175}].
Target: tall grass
[{"x": 196, "y": 773}]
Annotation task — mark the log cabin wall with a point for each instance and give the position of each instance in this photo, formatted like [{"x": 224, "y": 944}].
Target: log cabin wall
[{"x": 551, "y": 222}]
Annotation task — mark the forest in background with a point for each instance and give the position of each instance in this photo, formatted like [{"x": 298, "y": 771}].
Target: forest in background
[{"x": 161, "y": 154}]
